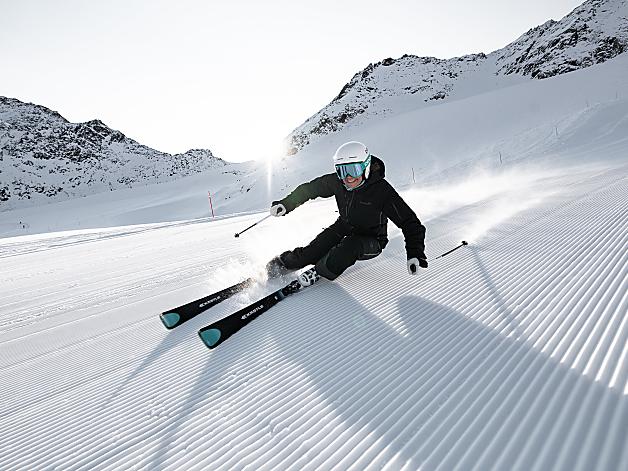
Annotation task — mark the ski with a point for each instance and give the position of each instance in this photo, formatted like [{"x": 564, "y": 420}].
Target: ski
[
  {"x": 181, "y": 314},
  {"x": 214, "y": 334}
]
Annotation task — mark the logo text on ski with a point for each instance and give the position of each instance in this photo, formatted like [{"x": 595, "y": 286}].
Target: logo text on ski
[
  {"x": 208, "y": 302},
  {"x": 251, "y": 312}
]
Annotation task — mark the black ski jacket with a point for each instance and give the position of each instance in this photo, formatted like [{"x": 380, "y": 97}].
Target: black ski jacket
[{"x": 365, "y": 210}]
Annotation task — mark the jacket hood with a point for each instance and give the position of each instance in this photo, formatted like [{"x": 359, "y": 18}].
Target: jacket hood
[{"x": 378, "y": 170}]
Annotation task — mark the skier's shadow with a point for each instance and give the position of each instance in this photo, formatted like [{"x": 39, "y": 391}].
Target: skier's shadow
[
  {"x": 406, "y": 379},
  {"x": 410, "y": 378}
]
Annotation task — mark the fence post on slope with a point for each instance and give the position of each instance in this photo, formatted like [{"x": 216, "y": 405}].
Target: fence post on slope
[{"x": 211, "y": 206}]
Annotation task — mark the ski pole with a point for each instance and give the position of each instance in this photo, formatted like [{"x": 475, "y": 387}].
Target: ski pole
[
  {"x": 464, "y": 242},
  {"x": 237, "y": 234}
]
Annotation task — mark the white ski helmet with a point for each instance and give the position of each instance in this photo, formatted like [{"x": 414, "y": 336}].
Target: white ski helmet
[{"x": 352, "y": 158}]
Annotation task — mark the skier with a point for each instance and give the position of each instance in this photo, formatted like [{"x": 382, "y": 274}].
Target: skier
[{"x": 365, "y": 202}]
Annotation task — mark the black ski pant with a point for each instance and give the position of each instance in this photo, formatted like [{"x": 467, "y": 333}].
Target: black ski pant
[{"x": 333, "y": 252}]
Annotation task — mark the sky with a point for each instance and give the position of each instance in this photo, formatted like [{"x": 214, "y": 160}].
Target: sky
[{"x": 237, "y": 76}]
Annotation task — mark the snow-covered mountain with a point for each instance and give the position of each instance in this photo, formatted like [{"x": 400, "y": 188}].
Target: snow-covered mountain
[
  {"x": 45, "y": 158},
  {"x": 594, "y": 32}
]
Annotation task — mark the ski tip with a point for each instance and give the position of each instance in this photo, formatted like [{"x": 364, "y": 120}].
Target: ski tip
[
  {"x": 170, "y": 319},
  {"x": 210, "y": 337},
  {"x": 464, "y": 242}
]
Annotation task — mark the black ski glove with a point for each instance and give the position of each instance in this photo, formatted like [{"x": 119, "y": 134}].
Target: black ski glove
[{"x": 414, "y": 263}]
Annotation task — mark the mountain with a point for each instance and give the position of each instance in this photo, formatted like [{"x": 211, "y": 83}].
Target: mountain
[
  {"x": 593, "y": 33},
  {"x": 45, "y": 158}
]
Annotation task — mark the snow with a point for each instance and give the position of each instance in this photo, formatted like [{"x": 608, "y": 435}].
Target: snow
[{"x": 509, "y": 353}]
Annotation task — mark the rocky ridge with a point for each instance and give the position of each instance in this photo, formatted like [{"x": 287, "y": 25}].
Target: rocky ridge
[
  {"x": 592, "y": 33},
  {"x": 45, "y": 158}
]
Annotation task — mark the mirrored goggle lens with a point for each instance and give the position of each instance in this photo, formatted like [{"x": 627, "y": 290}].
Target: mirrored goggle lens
[{"x": 344, "y": 170}]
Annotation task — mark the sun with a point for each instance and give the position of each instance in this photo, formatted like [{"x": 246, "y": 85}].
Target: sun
[
  {"x": 271, "y": 156},
  {"x": 273, "y": 152}
]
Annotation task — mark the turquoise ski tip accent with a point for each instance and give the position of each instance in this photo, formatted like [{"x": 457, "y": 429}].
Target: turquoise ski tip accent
[
  {"x": 170, "y": 319},
  {"x": 210, "y": 336}
]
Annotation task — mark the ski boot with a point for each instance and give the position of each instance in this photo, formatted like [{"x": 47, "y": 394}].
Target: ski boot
[
  {"x": 276, "y": 268},
  {"x": 308, "y": 277}
]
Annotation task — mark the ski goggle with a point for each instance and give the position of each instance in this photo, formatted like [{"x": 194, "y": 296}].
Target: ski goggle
[{"x": 354, "y": 170}]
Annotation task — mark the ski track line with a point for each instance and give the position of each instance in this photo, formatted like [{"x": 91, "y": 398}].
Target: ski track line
[
  {"x": 57, "y": 286},
  {"x": 126, "y": 287},
  {"x": 12, "y": 249},
  {"x": 148, "y": 263},
  {"x": 67, "y": 371},
  {"x": 100, "y": 298},
  {"x": 62, "y": 344},
  {"x": 125, "y": 284},
  {"x": 15, "y": 249},
  {"x": 130, "y": 274},
  {"x": 138, "y": 324},
  {"x": 144, "y": 248}
]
